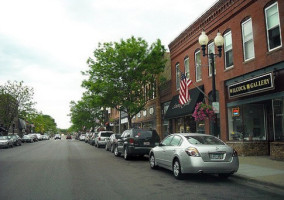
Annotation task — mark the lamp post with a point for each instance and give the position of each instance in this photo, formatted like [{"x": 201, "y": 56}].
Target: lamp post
[{"x": 219, "y": 41}]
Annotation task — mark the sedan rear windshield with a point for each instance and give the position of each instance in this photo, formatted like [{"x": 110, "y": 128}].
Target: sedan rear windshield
[
  {"x": 3, "y": 137},
  {"x": 106, "y": 134},
  {"x": 207, "y": 140},
  {"x": 143, "y": 133}
]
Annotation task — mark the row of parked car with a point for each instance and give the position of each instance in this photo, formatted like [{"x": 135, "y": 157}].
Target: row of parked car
[
  {"x": 182, "y": 153},
  {"x": 12, "y": 140}
]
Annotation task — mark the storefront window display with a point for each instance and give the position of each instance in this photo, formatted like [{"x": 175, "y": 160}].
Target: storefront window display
[
  {"x": 179, "y": 125},
  {"x": 247, "y": 122},
  {"x": 278, "y": 106}
]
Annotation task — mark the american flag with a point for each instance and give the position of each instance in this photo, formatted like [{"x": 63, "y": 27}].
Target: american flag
[{"x": 183, "y": 90}]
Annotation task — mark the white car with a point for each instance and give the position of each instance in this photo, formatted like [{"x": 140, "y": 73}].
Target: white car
[
  {"x": 82, "y": 137},
  {"x": 57, "y": 136}
]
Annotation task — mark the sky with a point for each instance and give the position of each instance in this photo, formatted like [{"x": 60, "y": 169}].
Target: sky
[{"x": 46, "y": 43}]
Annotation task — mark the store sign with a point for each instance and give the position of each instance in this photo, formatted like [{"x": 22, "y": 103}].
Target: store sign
[
  {"x": 236, "y": 112},
  {"x": 249, "y": 86}
]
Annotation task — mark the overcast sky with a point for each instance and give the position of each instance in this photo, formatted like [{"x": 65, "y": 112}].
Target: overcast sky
[{"x": 46, "y": 43}]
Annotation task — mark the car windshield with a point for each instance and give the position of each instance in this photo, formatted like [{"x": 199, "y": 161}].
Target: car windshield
[
  {"x": 106, "y": 134},
  {"x": 204, "y": 140},
  {"x": 3, "y": 137}
]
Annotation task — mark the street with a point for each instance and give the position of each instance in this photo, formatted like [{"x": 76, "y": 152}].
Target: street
[{"x": 70, "y": 169}]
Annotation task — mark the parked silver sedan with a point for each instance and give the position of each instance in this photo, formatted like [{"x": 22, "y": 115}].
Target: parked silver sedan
[{"x": 194, "y": 153}]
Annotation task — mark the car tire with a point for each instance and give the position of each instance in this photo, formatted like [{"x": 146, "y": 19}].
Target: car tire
[
  {"x": 126, "y": 155},
  {"x": 152, "y": 161},
  {"x": 177, "y": 169},
  {"x": 116, "y": 152}
]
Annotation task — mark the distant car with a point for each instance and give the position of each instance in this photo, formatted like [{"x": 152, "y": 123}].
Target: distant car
[
  {"x": 102, "y": 137},
  {"x": 45, "y": 137},
  {"x": 92, "y": 139},
  {"x": 68, "y": 137},
  {"x": 27, "y": 138},
  {"x": 5, "y": 142},
  {"x": 39, "y": 136},
  {"x": 136, "y": 142},
  {"x": 34, "y": 136},
  {"x": 112, "y": 141},
  {"x": 57, "y": 137},
  {"x": 16, "y": 140},
  {"x": 194, "y": 153},
  {"x": 82, "y": 137}
]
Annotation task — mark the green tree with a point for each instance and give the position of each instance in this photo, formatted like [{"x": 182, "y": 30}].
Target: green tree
[
  {"x": 120, "y": 72},
  {"x": 85, "y": 113},
  {"x": 16, "y": 100},
  {"x": 44, "y": 124}
]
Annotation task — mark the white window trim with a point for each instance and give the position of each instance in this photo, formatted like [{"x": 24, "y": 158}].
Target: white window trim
[
  {"x": 197, "y": 80},
  {"x": 209, "y": 66},
  {"x": 267, "y": 35},
  {"x": 186, "y": 70},
  {"x": 177, "y": 77},
  {"x": 229, "y": 67},
  {"x": 248, "y": 20}
]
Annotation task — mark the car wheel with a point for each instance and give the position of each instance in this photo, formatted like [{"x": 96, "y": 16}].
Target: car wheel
[
  {"x": 177, "y": 169},
  {"x": 152, "y": 162},
  {"x": 126, "y": 155},
  {"x": 116, "y": 153}
]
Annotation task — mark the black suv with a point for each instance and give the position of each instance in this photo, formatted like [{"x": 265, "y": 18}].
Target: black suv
[{"x": 136, "y": 142}]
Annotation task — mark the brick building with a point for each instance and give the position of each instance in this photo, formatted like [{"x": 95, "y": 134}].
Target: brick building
[{"x": 249, "y": 75}]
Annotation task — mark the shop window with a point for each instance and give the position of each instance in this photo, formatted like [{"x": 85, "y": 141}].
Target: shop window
[
  {"x": 278, "y": 107},
  {"x": 200, "y": 127},
  {"x": 247, "y": 122},
  {"x": 273, "y": 27}
]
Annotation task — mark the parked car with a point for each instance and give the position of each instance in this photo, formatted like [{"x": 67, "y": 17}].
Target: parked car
[
  {"x": 39, "y": 136},
  {"x": 194, "y": 153},
  {"x": 57, "y": 136},
  {"x": 100, "y": 140},
  {"x": 136, "y": 142},
  {"x": 16, "y": 140},
  {"x": 69, "y": 137},
  {"x": 5, "y": 142},
  {"x": 27, "y": 138},
  {"x": 34, "y": 136},
  {"x": 112, "y": 141},
  {"x": 45, "y": 137},
  {"x": 93, "y": 137},
  {"x": 82, "y": 137}
]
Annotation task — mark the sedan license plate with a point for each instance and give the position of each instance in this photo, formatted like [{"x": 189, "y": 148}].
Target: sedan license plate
[
  {"x": 216, "y": 156},
  {"x": 147, "y": 143}
]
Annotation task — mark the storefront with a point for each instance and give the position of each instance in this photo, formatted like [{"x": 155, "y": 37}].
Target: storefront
[
  {"x": 180, "y": 116},
  {"x": 255, "y": 110}
]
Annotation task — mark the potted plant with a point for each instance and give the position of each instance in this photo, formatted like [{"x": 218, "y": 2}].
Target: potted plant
[{"x": 203, "y": 111}]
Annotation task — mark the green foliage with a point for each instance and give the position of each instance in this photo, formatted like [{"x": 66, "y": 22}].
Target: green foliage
[
  {"x": 43, "y": 123},
  {"x": 16, "y": 100},
  {"x": 85, "y": 113},
  {"x": 120, "y": 70}
]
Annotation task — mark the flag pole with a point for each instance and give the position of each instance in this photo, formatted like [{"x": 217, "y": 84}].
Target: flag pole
[{"x": 197, "y": 87}]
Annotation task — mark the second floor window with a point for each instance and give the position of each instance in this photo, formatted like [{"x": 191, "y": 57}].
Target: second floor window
[
  {"x": 186, "y": 67},
  {"x": 211, "y": 49},
  {"x": 177, "y": 76},
  {"x": 273, "y": 27},
  {"x": 248, "y": 44},
  {"x": 228, "y": 50},
  {"x": 198, "y": 73}
]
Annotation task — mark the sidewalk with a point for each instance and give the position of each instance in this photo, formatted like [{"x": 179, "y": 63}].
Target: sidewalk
[{"x": 261, "y": 169}]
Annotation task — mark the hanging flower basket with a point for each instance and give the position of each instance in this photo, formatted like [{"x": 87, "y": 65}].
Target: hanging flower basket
[{"x": 203, "y": 111}]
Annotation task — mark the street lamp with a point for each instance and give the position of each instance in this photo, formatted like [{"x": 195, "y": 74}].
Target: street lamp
[{"x": 219, "y": 41}]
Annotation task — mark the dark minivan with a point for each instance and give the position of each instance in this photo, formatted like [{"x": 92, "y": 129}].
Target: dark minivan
[{"x": 136, "y": 142}]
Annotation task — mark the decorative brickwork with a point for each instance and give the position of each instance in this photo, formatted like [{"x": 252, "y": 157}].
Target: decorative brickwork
[
  {"x": 277, "y": 150},
  {"x": 255, "y": 148}
]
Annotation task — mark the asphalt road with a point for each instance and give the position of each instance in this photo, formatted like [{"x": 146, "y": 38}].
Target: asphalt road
[{"x": 73, "y": 170}]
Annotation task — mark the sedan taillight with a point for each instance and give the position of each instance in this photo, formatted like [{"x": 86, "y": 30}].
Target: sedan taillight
[
  {"x": 131, "y": 141},
  {"x": 191, "y": 151},
  {"x": 235, "y": 153}
]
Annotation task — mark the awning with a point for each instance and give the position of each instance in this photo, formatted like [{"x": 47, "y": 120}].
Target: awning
[{"x": 176, "y": 110}]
